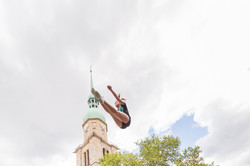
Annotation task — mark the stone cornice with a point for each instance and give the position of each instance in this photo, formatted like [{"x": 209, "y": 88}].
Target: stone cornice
[
  {"x": 100, "y": 138},
  {"x": 95, "y": 119}
]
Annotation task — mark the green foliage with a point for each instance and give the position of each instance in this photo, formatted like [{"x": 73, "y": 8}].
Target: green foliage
[
  {"x": 157, "y": 151},
  {"x": 118, "y": 158},
  {"x": 160, "y": 151},
  {"x": 111, "y": 159},
  {"x": 191, "y": 156}
]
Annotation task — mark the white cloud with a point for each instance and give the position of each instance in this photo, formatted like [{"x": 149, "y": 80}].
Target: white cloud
[
  {"x": 228, "y": 131},
  {"x": 165, "y": 57}
]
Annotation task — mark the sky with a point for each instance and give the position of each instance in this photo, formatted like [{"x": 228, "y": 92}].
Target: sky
[{"x": 182, "y": 66}]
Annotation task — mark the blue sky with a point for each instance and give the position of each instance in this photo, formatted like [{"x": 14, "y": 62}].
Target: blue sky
[{"x": 186, "y": 129}]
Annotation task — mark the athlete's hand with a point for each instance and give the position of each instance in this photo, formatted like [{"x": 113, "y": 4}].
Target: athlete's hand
[{"x": 109, "y": 87}]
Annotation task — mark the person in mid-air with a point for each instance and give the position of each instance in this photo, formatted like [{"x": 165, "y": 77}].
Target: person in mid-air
[{"x": 121, "y": 115}]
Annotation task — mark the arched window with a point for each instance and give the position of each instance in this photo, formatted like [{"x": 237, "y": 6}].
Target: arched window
[
  {"x": 85, "y": 160},
  {"x": 107, "y": 151},
  {"x": 103, "y": 150},
  {"x": 88, "y": 157}
]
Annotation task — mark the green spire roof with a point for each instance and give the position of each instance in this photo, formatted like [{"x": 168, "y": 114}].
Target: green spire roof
[
  {"x": 91, "y": 80},
  {"x": 93, "y": 113},
  {"x": 91, "y": 96},
  {"x": 93, "y": 110}
]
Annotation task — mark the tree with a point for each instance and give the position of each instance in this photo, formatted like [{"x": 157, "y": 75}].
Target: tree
[
  {"x": 157, "y": 151},
  {"x": 160, "y": 151},
  {"x": 191, "y": 156},
  {"x": 111, "y": 159},
  {"x": 118, "y": 158}
]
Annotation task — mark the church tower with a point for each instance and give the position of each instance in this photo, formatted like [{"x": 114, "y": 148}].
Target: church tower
[{"x": 95, "y": 130}]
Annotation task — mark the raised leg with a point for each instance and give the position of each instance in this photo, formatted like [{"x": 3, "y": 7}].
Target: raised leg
[
  {"x": 116, "y": 119},
  {"x": 122, "y": 116},
  {"x": 118, "y": 116}
]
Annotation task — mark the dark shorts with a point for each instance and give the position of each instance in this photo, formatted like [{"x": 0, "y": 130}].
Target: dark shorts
[{"x": 125, "y": 125}]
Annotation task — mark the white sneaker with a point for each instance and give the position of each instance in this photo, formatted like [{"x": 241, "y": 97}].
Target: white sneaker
[{"x": 97, "y": 96}]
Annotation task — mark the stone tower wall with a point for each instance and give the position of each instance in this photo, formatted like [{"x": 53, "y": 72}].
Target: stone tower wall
[
  {"x": 95, "y": 143},
  {"x": 95, "y": 126}
]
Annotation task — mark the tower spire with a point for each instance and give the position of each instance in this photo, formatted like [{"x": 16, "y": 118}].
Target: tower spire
[
  {"x": 91, "y": 80},
  {"x": 93, "y": 103}
]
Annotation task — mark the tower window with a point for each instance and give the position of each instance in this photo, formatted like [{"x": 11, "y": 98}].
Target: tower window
[
  {"x": 103, "y": 150},
  {"x": 93, "y": 105},
  {"x": 85, "y": 161},
  {"x": 88, "y": 156}
]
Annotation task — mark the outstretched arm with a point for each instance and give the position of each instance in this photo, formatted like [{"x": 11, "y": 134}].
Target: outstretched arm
[{"x": 114, "y": 94}]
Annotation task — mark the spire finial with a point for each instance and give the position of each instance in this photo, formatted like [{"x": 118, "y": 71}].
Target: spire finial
[{"x": 91, "y": 80}]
